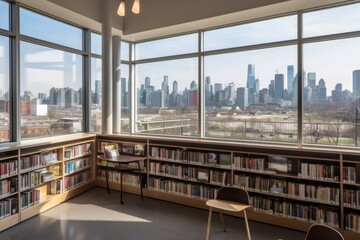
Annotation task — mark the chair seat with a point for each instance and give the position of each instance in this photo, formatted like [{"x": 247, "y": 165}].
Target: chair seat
[{"x": 227, "y": 205}]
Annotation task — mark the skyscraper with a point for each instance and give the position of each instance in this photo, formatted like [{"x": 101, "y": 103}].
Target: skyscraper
[
  {"x": 208, "y": 92},
  {"x": 242, "y": 98},
  {"x": 147, "y": 82},
  {"x": 250, "y": 77},
  {"x": 356, "y": 83},
  {"x": 279, "y": 86},
  {"x": 166, "y": 90},
  {"x": 290, "y": 78},
  {"x": 175, "y": 87},
  {"x": 124, "y": 102},
  {"x": 98, "y": 92},
  {"x": 217, "y": 87},
  {"x": 311, "y": 80}
]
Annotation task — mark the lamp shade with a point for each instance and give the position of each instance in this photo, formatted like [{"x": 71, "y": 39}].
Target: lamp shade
[
  {"x": 121, "y": 9},
  {"x": 136, "y": 7}
]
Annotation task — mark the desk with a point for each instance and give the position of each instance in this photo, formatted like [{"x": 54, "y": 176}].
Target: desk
[{"x": 122, "y": 160}]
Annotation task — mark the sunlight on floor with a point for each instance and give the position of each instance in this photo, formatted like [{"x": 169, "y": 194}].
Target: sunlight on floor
[{"x": 90, "y": 212}]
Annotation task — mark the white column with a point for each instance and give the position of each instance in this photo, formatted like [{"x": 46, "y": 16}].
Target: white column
[
  {"x": 117, "y": 84},
  {"x": 107, "y": 9}
]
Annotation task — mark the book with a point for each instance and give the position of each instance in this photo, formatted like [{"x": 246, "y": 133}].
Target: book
[
  {"x": 213, "y": 159},
  {"x": 111, "y": 151},
  {"x": 224, "y": 160},
  {"x": 127, "y": 149},
  {"x": 279, "y": 164},
  {"x": 276, "y": 186},
  {"x": 202, "y": 175},
  {"x": 139, "y": 149}
]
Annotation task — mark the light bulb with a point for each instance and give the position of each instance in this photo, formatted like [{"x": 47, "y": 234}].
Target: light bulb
[
  {"x": 121, "y": 9},
  {"x": 136, "y": 7}
]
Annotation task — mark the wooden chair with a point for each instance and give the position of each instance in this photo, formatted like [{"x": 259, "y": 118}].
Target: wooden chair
[
  {"x": 319, "y": 232},
  {"x": 232, "y": 200}
]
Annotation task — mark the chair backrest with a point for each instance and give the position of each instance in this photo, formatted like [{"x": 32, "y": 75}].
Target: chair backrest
[
  {"x": 233, "y": 194},
  {"x": 319, "y": 231}
]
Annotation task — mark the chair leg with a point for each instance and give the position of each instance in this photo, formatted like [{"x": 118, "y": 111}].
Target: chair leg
[
  {"x": 247, "y": 226},
  {"x": 208, "y": 225},
  {"x": 222, "y": 220}
]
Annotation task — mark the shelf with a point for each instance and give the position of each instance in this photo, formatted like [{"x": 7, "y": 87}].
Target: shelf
[
  {"x": 10, "y": 176},
  {"x": 8, "y": 195},
  {"x": 76, "y": 157},
  {"x": 9, "y": 221},
  {"x": 23, "y": 171},
  {"x": 76, "y": 171},
  {"x": 181, "y": 162}
]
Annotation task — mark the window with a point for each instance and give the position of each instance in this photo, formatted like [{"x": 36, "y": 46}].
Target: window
[
  {"x": 4, "y": 89},
  {"x": 4, "y": 15},
  {"x": 41, "y": 27},
  {"x": 167, "y": 47},
  {"x": 125, "y": 51},
  {"x": 125, "y": 98},
  {"x": 167, "y": 97},
  {"x": 278, "y": 29},
  {"x": 331, "y": 21},
  {"x": 96, "y": 43},
  {"x": 252, "y": 95},
  {"x": 50, "y": 91},
  {"x": 332, "y": 92},
  {"x": 96, "y": 95}
]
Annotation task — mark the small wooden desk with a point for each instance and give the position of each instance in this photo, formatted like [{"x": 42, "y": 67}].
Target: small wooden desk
[{"x": 122, "y": 160}]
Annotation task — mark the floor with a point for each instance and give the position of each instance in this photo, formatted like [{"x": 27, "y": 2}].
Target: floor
[{"x": 95, "y": 215}]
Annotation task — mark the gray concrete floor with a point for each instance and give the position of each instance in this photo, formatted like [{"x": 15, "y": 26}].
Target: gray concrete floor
[{"x": 95, "y": 215}]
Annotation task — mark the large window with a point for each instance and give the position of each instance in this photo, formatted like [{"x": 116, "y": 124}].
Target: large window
[
  {"x": 331, "y": 77},
  {"x": 4, "y": 15},
  {"x": 4, "y": 89},
  {"x": 125, "y": 98},
  {"x": 331, "y": 21},
  {"x": 96, "y": 95},
  {"x": 278, "y": 29},
  {"x": 167, "y": 97},
  {"x": 252, "y": 95},
  {"x": 41, "y": 27},
  {"x": 167, "y": 47},
  {"x": 332, "y": 92},
  {"x": 96, "y": 83},
  {"x": 50, "y": 91}
]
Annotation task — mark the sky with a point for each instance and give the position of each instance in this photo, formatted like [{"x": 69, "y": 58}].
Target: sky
[{"x": 333, "y": 61}]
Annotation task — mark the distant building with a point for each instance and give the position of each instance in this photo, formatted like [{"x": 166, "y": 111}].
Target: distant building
[
  {"x": 158, "y": 99},
  {"x": 356, "y": 84},
  {"x": 38, "y": 109},
  {"x": 242, "y": 98},
  {"x": 279, "y": 86}
]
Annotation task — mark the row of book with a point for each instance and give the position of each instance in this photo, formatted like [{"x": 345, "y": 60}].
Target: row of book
[
  {"x": 76, "y": 179},
  {"x": 184, "y": 189},
  {"x": 200, "y": 158},
  {"x": 55, "y": 187},
  {"x": 304, "y": 212},
  {"x": 29, "y": 198},
  {"x": 303, "y": 191},
  {"x": 35, "y": 178},
  {"x": 191, "y": 173},
  {"x": 76, "y": 165},
  {"x": 349, "y": 174},
  {"x": 8, "y": 168},
  {"x": 30, "y": 162},
  {"x": 114, "y": 176},
  {"x": 249, "y": 163},
  {"x": 320, "y": 171},
  {"x": 352, "y": 198},
  {"x": 8, "y": 207},
  {"x": 77, "y": 151},
  {"x": 352, "y": 222},
  {"x": 124, "y": 148},
  {"x": 8, "y": 186},
  {"x": 38, "y": 160}
]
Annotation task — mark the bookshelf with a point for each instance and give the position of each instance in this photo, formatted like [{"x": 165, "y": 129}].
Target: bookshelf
[
  {"x": 288, "y": 186},
  {"x": 38, "y": 175},
  {"x": 9, "y": 194}
]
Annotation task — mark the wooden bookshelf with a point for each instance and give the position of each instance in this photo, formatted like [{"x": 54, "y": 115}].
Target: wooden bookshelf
[
  {"x": 33, "y": 175},
  {"x": 312, "y": 182}
]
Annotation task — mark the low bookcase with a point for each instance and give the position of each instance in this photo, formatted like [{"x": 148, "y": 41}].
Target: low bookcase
[{"x": 288, "y": 186}]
